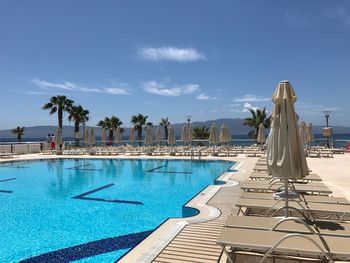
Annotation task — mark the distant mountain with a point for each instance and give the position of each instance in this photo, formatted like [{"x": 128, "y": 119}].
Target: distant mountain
[{"x": 235, "y": 125}]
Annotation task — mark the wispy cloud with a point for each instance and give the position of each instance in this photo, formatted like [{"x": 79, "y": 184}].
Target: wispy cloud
[
  {"x": 251, "y": 98},
  {"x": 171, "y": 54},
  {"x": 204, "y": 96},
  {"x": 36, "y": 92},
  {"x": 116, "y": 91},
  {"x": 69, "y": 86},
  {"x": 177, "y": 90},
  {"x": 45, "y": 84}
]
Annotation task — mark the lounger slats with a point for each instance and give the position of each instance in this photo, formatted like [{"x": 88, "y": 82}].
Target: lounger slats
[
  {"x": 260, "y": 240},
  {"x": 267, "y": 223},
  {"x": 307, "y": 198}
]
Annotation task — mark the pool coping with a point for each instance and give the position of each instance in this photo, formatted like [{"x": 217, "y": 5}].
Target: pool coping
[{"x": 151, "y": 246}]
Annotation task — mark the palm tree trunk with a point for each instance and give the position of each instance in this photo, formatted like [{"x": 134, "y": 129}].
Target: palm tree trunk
[
  {"x": 139, "y": 134},
  {"x": 60, "y": 117},
  {"x": 76, "y": 129},
  {"x": 110, "y": 136},
  {"x": 166, "y": 132}
]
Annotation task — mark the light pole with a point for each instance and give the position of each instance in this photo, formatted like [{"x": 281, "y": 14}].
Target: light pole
[
  {"x": 188, "y": 117},
  {"x": 327, "y": 115}
]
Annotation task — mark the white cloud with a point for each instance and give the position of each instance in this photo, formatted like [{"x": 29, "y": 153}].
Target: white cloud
[
  {"x": 204, "y": 96},
  {"x": 252, "y": 98},
  {"x": 36, "y": 92},
  {"x": 45, "y": 84},
  {"x": 248, "y": 106},
  {"x": 171, "y": 54},
  {"x": 69, "y": 86},
  {"x": 116, "y": 91},
  {"x": 178, "y": 90}
]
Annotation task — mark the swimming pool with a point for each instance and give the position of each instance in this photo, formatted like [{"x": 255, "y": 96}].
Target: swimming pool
[{"x": 90, "y": 210}]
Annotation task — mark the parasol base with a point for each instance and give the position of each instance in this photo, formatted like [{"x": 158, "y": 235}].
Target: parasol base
[{"x": 286, "y": 195}]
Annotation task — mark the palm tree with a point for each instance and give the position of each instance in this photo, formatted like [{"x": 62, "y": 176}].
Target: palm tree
[
  {"x": 139, "y": 122},
  {"x": 258, "y": 116},
  {"x": 165, "y": 123},
  {"x": 19, "y": 131},
  {"x": 58, "y": 104},
  {"x": 201, "y": 132},
  {"x": 111, "y": 124},
  {"x": 80, "y": 116}
]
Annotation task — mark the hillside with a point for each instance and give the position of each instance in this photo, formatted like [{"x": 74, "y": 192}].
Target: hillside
[{"x": 235, "y": 125}]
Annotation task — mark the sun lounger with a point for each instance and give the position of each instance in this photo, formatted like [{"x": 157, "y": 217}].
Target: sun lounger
[
  {"x": 313, "y": 188},
  {"x": 260, "y": 168},
  {"x": 7, "y": 155},
  {"x": 263, "y": 207},
  {"x": 302, "y": 198},
  {"x": 281, "y": 243},
  {"x": 266, "y": 177},
  {"x": 291, "y": 224}
]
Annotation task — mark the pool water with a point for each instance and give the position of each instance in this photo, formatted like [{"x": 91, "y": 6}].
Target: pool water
[{"x": 87, "y": 210}]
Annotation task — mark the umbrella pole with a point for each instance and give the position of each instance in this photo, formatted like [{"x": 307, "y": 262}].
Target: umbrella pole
[{"x": 286, "y": 196}]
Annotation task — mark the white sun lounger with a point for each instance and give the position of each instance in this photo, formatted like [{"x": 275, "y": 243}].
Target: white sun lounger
[{"x": 278, "y": 243}]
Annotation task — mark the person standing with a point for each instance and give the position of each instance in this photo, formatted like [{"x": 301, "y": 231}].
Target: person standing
[{"x": 53, "y": 142}]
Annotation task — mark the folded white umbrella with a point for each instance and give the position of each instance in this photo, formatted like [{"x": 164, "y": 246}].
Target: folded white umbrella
[
  {"x": 132, "y": 135},
  {"x": 224, "y": 134},
  {"x": 92, "y": 140},
  {"x": 184, "y": 134},
  {"x": 118, "y": 136},
  {"x": 171, "y": 136},
  {"x": 149, "y": 136},
  {"x": 303, "y": 132},
  {"x": 285, "y": 152},
  {"x": 309, "y": 135},
  {"x": 261, "y": 134},
  {"x": 104, "y": 136},
  {"x": 190, "y": 135},
  {"x": 213, "y": 136},
  {"x": 87, "y": 136},
  {"x": 159, "y": 135}
]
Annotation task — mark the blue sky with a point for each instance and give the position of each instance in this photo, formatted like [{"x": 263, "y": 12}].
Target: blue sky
[{"x": 207, "y": 59}]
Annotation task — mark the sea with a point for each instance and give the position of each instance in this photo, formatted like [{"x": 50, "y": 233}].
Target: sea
[{"x": 339, "y": 140}]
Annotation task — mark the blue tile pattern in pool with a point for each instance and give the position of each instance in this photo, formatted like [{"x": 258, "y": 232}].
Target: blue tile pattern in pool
[
  {"x": 83, "y": 197},
  {"x": 8, "y": 179},
  {"x": 90, "y": 249},
  {"x": 40, "y": 220}
]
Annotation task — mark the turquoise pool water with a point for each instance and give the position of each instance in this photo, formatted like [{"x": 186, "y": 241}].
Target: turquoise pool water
[{"x": 86, "y": 210}]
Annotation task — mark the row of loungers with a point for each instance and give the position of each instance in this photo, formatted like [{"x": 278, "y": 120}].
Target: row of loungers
[
  {"x": 8, "y": 155},
  {"x": 151, "y": 151},
  {"x": 317, "y": 228}
]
